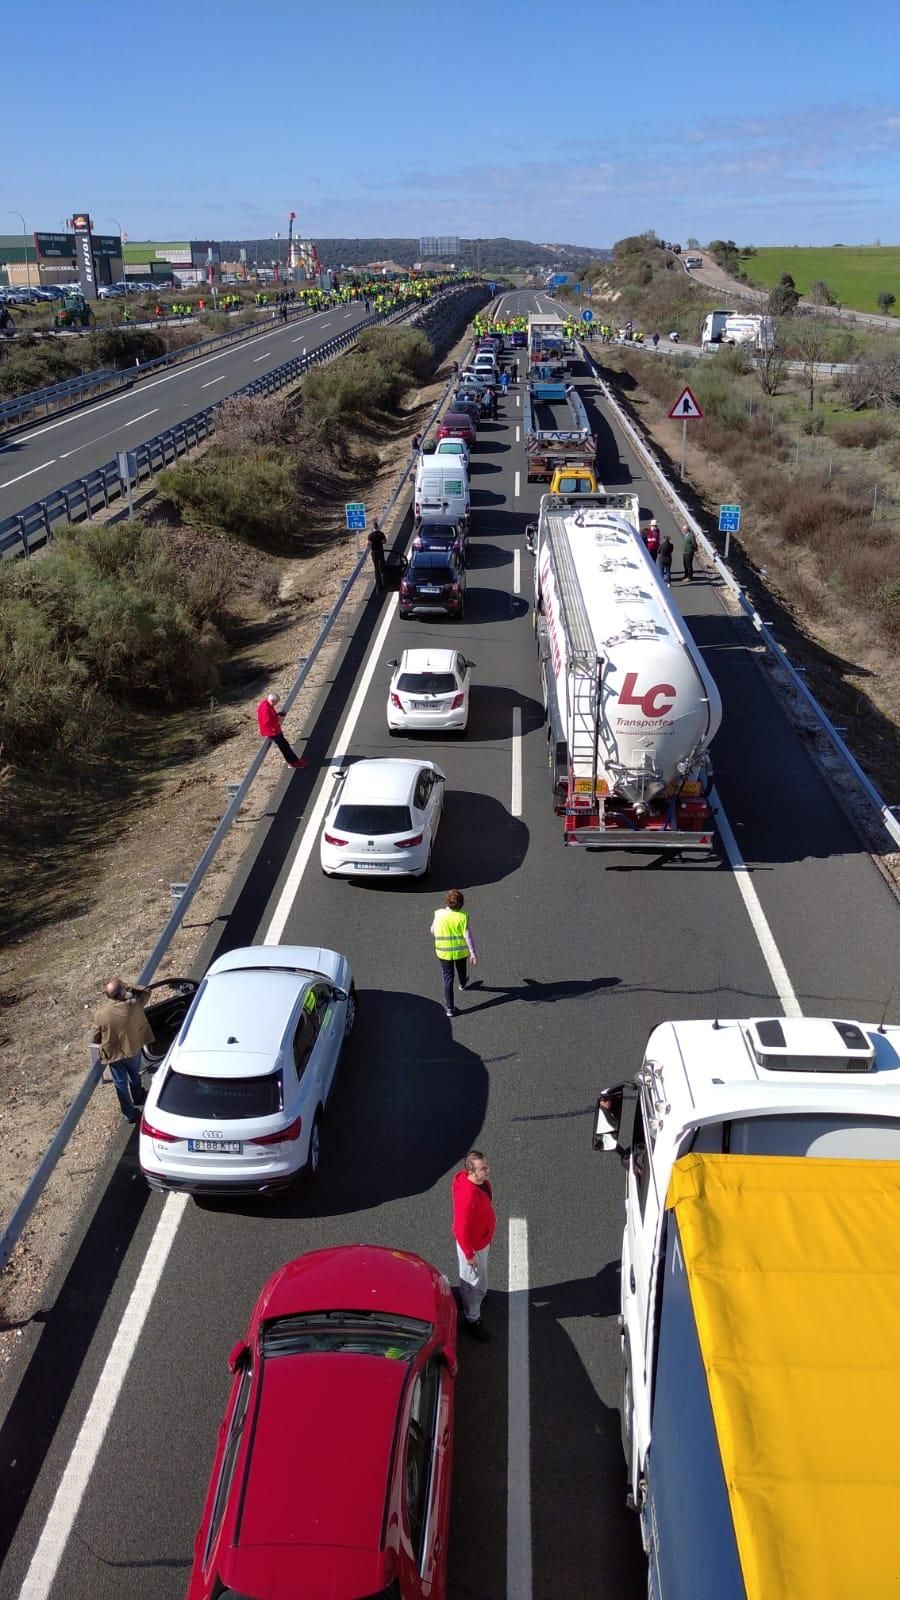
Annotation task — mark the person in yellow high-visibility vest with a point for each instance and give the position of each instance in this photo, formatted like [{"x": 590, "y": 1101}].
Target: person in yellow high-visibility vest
[{"x": 453, "y": 945}]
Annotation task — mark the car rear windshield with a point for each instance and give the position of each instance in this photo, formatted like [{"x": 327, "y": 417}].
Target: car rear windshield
[
  {"x": 420, "y": 573},
  {"x": 358, "y": 1333},
  {"x": 221, "y": 1099},
  {"x": 427, "y": 682},
  {"x": 373, "y": 819}
]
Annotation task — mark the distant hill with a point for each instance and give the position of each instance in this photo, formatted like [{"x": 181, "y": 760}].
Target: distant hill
[{"x": 494, "y": 255}]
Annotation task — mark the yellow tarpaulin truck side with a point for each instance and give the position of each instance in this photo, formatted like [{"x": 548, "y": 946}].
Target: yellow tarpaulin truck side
[{"x": 773, "y": 1471}]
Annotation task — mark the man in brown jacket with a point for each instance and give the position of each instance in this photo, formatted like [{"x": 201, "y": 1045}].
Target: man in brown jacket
[{"x": 121, "y": 1030}]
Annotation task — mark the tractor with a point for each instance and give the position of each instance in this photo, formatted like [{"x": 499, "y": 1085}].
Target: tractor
[{"x": 74, "y": 312}]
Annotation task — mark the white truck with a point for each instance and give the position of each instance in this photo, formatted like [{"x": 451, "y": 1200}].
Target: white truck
[
  {"x": 547, "y": 340},
  {"x": 631, "y": 708},
  {"x": 760, "y": 1306},
  {"x": 752, "y": 330}
]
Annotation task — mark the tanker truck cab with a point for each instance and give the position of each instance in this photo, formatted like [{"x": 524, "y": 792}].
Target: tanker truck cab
[{"x": 762, "y": 1163}]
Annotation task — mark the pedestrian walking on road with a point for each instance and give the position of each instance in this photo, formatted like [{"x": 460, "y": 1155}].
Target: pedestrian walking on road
[
  {"x": 666, "y": 551},
  {"x": 688, "y": 550},
  {"x": 121, "y": 1030},
  {"x": 474, "y": 1221},
  {"x": 269, "y": 720},
  {"x": 416, "y": 444},
  {"x": 504, "y": 383},
  {"x": 376, "y": 542},
  {"x": 453, "y": 945}
]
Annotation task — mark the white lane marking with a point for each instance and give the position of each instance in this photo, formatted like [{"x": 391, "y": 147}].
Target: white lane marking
[
  {"x": 518, "y": 399},
  {"x": 67, "y": 1500},
  {"x": 517, "y": 570},
  {"x": 518, "y": 1420},
  {"x": 764, "y": 936},
  {"x": 30, "y": 474},
  {"x": 517, "y": 486},
  {"x": 297, "y": 340},
  {"x": 142, "y": 418},
  {"x": 220, "y": 379},
  {"x": 310, "y": 836},
  {"x": 348, "y": 314},
  {"x": 515, "y": 804},
  {"x": 262, "y": 357},
  {"x": 99, "y": 437},
  {"x": 326, "y": 324},
  {"x": 518, "y": 433}
]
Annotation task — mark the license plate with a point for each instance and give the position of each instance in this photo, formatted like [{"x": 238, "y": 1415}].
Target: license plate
[
  {"x": 367, "y": 866},
  {"x": 222, "y": 1147},
  {"x": 583, "y": 786},
  {"x": 425, "y": 705},
  {"x": 430, "y": 588}
]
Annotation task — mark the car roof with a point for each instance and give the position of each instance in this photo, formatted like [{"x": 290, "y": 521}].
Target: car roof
[
  {"x": 382, "y": 779},
  {"x": 427, "y": 661},
  {"x": 457, "y": 419},
  {"x": 430, "y": 558},
  {"x": 236, "y": 1024}
]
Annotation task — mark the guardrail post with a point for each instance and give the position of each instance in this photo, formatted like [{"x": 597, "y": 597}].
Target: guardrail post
[
  {"x": 87, "y": 498},
  {"x": 23, "y": 536},
  {"x": 176, "y": 890},
  {"x": 232, "y": 790},
  {"x": 45, "y": 518}
]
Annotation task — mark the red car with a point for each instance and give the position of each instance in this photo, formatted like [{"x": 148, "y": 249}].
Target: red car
[
  {"x": 456, "y": 425},
  {"x": 332, "y": 1472}
]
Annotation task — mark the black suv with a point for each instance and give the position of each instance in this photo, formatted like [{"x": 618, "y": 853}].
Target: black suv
[{"x": 435, "y": 580}]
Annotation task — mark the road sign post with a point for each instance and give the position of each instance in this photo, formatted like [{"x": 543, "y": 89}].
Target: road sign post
[
  {"x": 686, "y": 410},
  {"x": 355, "y": 512},
  {"x": 126, "y": 460},
  {"x": 729, "y": 523}
]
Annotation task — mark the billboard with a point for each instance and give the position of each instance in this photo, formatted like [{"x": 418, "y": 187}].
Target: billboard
[
  {"x": 439, "y": 247},
  {"x": 84, "y": 255},
  {"x": 55, "y": 246}
]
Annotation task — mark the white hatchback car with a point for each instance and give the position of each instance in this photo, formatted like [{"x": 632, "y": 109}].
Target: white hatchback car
[
  {"x": 429, "y": 692},
  {"x": 382, "y": 819},
  {"x": 237, "y": 1105}
]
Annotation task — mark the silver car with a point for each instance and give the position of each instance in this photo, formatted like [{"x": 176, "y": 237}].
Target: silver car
[{"x": 238, "y": 1103}]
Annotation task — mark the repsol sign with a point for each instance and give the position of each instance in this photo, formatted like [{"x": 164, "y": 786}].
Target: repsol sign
[{"x": 84, "y": 254}]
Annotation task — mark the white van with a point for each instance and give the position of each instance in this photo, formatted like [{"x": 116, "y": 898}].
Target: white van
[{"x": 442, "y": 490}]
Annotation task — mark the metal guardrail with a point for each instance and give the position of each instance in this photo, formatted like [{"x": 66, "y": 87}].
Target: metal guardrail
[
  {"x": 35, "y": 403},
  {"x": 885, "y": 812},
  {"x": 19, "y": 1219},
  {"x": 86, "y": 383},
  {"x": 31, "y": 527}
]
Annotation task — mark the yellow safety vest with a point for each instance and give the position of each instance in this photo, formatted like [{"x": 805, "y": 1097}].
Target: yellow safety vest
[{"x": 450, "y": 935}]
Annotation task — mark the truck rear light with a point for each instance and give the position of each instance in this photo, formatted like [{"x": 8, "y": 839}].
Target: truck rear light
[
  {"x": 396, "y": 701},
  {"x": 407, "y": 844},
  {"x": 283, "y": 1136},
  {"x": 454, "y": 588},
  {"x": 332, "y": 838},
  {"x": 157, "y": 1133},
  {"x": 456, "y": 702}
]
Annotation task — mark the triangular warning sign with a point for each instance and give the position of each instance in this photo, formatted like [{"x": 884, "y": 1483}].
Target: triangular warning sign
[{"x": 686, "y": 406}]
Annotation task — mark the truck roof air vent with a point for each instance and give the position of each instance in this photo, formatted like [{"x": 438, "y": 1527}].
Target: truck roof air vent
[{"x": 809, "y": 1044}]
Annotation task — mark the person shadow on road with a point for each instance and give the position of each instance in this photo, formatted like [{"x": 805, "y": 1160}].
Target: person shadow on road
[{"x": 532, "y": 990}]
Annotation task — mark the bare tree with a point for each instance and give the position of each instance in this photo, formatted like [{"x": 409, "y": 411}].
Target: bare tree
[
  {"x": 810, "y": 339},
  {"x": 769, "y": 361},
  {"x": 873, "y": 381}
]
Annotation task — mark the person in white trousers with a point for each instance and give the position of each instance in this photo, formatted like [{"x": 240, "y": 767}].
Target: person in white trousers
[{"x": 474, "y": 1221}]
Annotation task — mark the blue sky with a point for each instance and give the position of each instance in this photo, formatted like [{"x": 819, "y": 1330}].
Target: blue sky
[{"x": 773, "y": 123}]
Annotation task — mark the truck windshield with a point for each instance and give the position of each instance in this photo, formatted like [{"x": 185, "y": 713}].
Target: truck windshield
[{"x": 832, "y": 1135}]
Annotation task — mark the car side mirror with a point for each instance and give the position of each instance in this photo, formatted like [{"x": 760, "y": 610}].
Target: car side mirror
[
  {"x": 608, "y": 1119},
  {"x": 439, "y": 777},
  {"x": 238, "y": 1356},
  {"x": 530, "y": 537},
  {"x": 471, "y": 663},
  {"x": 449, "y": 1360},
  {"x": 392, "y": 663},
  {"x": 339, "y": 994}
]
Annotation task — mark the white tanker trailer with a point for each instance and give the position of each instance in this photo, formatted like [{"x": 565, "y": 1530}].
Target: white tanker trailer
[{"x": 631, "y": 709}]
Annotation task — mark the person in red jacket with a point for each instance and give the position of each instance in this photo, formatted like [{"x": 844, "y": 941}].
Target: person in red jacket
[
  {"x": 270, "y": 728},
  {"x": 473, "y": 1229},
  {"x": 651, "y": 537}
]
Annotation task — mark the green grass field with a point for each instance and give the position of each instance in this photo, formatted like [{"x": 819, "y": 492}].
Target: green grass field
[{"x": 855, "y": 274}]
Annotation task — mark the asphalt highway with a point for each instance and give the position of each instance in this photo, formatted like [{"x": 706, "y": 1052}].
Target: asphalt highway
[
  {"x": 58, "y": 451},
  {"x": 580, "y": 955}
]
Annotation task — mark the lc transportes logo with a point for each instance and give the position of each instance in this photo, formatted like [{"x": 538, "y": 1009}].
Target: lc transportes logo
[{"x": 654, "y": 702}]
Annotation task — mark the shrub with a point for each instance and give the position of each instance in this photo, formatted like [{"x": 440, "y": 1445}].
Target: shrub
[
  {"x": 813, "y": 422},
  {"x": 807, "y": 509},
  {"x": 248, "y": 495},
  {"x": 105, "y": 618},
  {"x": 863, "y": 435},
  {"x": 30, "y": 365}
]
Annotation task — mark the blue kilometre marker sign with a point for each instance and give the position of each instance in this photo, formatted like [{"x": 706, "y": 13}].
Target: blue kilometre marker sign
[
  {"x": 356, "y": 516},
  {"x": 729, "y": 519}
]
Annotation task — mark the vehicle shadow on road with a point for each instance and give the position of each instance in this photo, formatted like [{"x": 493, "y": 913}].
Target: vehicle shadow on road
[
  {"x": 410, "y": 1100},
  {"x": 478, "y": 842},
  {"x": 487, "y": 555},
  {"x": 576, "y": 1453}
]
